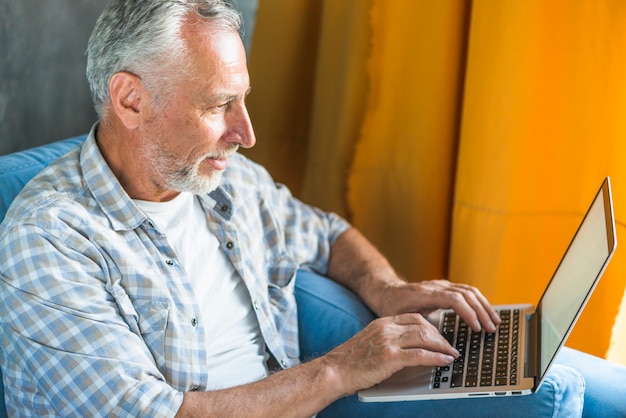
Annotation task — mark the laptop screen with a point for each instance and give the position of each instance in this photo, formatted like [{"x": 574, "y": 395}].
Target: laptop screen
[{"x": 576, "y": 276}]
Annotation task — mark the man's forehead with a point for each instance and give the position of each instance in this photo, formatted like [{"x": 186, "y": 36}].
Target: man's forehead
[{"x": 208, "y": 47}]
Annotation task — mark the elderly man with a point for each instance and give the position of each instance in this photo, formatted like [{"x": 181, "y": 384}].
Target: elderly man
[{"x": 150, "y": 271}]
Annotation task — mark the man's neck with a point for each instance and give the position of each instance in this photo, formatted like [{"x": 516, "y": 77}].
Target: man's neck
[{"x": 121, "y": 150}]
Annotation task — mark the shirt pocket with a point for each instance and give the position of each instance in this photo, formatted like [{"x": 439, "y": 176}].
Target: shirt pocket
[
  {"x": 152, "y": 321},
  {"x": 282, "y": 273}
]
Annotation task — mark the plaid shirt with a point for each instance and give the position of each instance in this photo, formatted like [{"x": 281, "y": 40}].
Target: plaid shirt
[{"x": 98, "y": 316}]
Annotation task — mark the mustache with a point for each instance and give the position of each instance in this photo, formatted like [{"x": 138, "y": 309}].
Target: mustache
[{"x": 221, "y": 154}]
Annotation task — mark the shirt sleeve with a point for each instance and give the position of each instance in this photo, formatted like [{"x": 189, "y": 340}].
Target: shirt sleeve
[
  {"x": 308, "y": 232},
  {"x": 69, "y": 339}
]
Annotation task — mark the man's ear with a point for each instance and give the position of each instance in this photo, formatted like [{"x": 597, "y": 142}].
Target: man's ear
[{"x": 127, "y": 96}]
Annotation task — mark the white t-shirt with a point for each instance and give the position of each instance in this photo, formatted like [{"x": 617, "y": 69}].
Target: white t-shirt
[{"x": 236, "y": 351}]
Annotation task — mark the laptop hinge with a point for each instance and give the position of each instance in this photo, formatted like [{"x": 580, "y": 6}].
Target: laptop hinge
[{"x": 531, "y": 365}]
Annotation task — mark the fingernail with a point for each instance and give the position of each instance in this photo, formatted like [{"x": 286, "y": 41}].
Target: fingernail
[
  {"x": 477, "y": 325},
  {"x": 496, "y": 318}
]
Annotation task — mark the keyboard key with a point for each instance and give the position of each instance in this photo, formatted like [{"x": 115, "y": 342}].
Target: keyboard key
[
  {"x": 456, "y": 381},
  {"x": 485, "y": 358}
]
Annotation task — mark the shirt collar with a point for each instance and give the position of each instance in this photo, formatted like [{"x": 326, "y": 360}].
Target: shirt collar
[{"x": 113, "y": 200}]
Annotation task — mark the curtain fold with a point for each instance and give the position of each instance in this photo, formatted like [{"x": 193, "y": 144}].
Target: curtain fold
[
  {"x": 401, "y": 178},
  {"x": 339, "y": 100},
  {"x": 282, "y": 65}
]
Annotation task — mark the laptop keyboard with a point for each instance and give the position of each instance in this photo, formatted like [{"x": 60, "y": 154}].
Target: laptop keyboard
[{"x": 486, "y": 359}]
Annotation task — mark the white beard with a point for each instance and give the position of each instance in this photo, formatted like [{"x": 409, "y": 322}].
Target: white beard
[
  {"x": 190, "y": 180},
  {"x": 182, "y": 178}
]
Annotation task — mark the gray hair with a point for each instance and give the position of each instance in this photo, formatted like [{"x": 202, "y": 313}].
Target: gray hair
[{"x": 143, "y": 37}]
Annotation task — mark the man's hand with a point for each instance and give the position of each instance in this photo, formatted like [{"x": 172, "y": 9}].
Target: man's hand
[
  {"x": 386, "y": 346},
  {"x": 427, "y": 296}
]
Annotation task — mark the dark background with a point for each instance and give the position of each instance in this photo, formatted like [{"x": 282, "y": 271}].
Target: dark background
[{"x": 44, "y": 94}]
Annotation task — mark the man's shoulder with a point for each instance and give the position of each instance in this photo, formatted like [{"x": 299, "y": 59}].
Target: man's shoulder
[
  {"x": 240, "y": 162},
  {"x": 57, "y": 187},
  {"x": 242, "y": 172}
]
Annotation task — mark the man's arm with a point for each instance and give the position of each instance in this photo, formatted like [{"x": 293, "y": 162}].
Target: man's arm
[
  {"x": 358, "y": 265},
  {"x": 385, "y": 346}
]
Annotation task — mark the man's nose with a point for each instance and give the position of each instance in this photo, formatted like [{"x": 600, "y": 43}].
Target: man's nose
[{"x": 240, "y": 127}]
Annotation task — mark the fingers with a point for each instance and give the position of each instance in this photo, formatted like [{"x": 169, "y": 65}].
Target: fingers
[
  {"x": 465, "y": 300},
  {"x": 386, "y": 346},
  {"x": 410, "y": 340},
  {"x": 414, "y": 332},
  {"x": 474, "y": 308}
]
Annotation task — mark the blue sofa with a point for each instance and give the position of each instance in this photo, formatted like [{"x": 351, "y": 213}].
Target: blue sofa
[{"x": 328, "y": 313}]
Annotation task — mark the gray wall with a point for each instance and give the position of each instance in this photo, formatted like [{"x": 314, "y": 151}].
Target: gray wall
[{"x": 43, "y": 92}]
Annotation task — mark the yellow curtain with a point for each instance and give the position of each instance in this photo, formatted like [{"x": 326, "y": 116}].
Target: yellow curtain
[
  {"x": 309, "y": 84},
  {"x": 401, "y": 180},
  {"x": 282, "y": 63},
  {"x": 543, "y": 122},
  {"x": 464, "y": 138}
]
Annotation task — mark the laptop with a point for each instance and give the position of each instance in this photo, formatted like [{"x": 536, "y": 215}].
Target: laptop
[{"x": 516, "y": 358}]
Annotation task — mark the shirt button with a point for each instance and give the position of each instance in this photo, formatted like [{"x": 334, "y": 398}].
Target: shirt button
[
  {"x": 194, "y": 322},
  {"x": 284, "y": 363},
  {"x": 194, "y": 388},
  {"x": 256, "y": 305},
  {"x": 169, "y": 262},
  {"x": 224, "y": 208},
  {"x": 230, "y": 245}
]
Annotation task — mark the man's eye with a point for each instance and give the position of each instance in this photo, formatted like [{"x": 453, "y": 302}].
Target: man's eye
[
  {"x": 221, "y": 108},
  {"x": 224, "y": 106}
]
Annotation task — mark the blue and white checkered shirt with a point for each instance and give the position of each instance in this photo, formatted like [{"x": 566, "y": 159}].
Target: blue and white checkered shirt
[{"x": 97, "y": 314}]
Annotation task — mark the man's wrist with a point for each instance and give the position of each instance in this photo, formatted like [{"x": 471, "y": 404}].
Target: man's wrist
[{"x": 377, "y": 292}]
